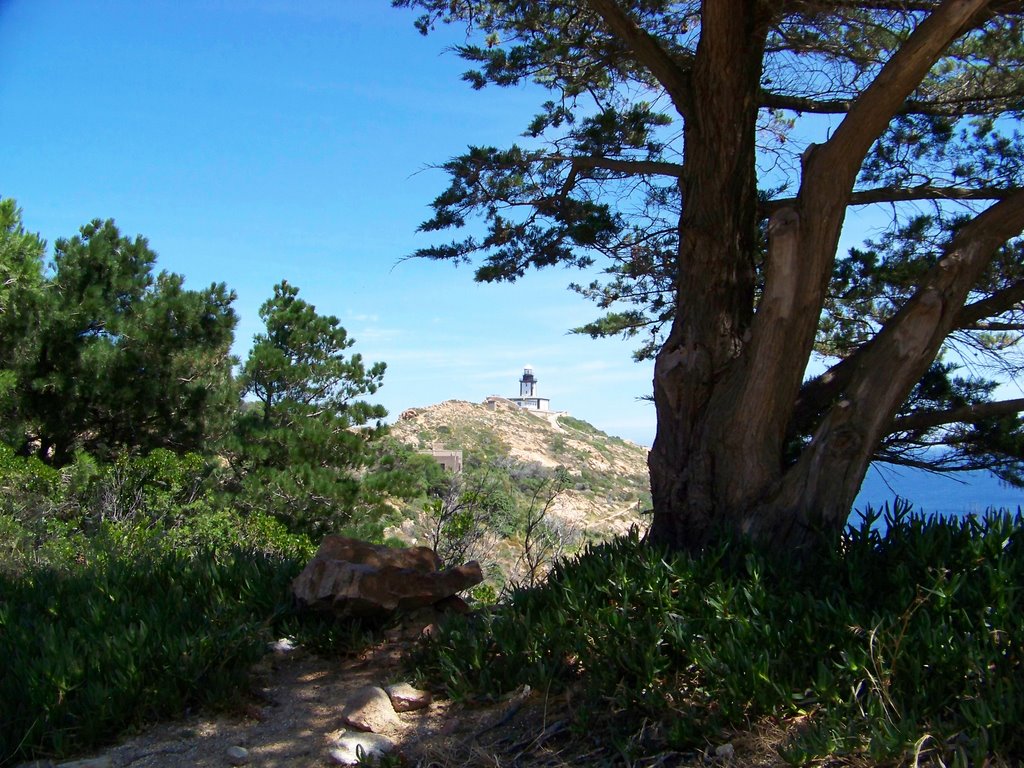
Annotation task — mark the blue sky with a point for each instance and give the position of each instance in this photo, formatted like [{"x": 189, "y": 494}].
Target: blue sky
[{"x": 259, "y": 140}]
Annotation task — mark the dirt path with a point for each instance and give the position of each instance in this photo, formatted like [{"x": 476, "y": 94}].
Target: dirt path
[{"x": 295, "y": 718}]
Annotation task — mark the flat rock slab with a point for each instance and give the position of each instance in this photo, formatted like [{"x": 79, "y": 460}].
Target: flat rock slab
[{"x": 369, "y": 709}]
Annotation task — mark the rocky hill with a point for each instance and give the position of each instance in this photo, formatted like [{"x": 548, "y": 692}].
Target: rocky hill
[{"x": 609, "y": 490}]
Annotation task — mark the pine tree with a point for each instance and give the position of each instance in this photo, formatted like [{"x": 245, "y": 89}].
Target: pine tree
[
  {"x": 306, "y": 437},
  {"x": 109, "y": 358}
]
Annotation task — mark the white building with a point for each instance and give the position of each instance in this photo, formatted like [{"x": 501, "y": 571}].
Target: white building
[{"x": 528, "y": 398}]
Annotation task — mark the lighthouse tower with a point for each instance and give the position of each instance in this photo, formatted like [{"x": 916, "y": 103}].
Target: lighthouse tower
[
  {"x": 527, "y": 384},
  {"x": 528, "y": 398}
]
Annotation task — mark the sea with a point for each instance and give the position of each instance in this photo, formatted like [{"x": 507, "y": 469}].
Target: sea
[{"x": 948, "y": 495}]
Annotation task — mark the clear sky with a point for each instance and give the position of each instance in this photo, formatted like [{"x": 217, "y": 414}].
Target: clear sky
[{"x": 258, "y": 140}]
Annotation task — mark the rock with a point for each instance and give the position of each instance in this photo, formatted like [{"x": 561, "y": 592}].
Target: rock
[
  {"x": 725, "y": 752},
  {"x": 237, "y": 755},
  {"x": 405, "y": 698},
  {"x": 420, "y": 559},
  {"x": 353, "y": 747},
  {"x": 283, "y": 646},
  {"x": 349, "y": 577},
  {"x": 369, "y": 709},
  {"x": 106, "y": 761}
]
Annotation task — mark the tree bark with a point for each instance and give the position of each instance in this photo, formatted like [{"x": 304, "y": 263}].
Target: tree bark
[
  {"x": 727, "y": 382},
  {"x": 716, "y": 279}
]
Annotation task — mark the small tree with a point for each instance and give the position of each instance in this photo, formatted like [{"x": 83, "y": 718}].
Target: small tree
[
  {"x": 463, "y": 513},
  {"x": 303, "y": 442},
  {"x": 542, "y": 539}
]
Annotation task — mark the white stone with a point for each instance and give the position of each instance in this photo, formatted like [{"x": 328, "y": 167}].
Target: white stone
[
  {"x": 283, "y": 646},
  {"x": 353, "y": 747},
  {"x": 237, "y": 755}
]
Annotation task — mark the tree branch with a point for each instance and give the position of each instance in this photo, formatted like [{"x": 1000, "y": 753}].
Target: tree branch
[
  {"x": 994, "y": 327},
  {"x": 909, "y": 341},
  {"x": 873, "y": 110},
  {"x": 632, "y": 167},
  {"x": 829, "y": 174},
  {"x": 963, "y": 107},
  {"x": 648, "y": 52},
  {"x": 992, "y": 227},
  {"x": 999, "y": 302},
  {"x": 967, "y": 414},
  {"x": 902, "y": 195}
]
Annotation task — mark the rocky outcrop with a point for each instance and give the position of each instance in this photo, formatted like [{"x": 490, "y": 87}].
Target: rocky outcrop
[{"x": 349, "y": 577}]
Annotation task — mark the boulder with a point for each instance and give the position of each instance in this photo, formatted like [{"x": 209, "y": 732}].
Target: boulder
[{"x": 349, "y": 577}]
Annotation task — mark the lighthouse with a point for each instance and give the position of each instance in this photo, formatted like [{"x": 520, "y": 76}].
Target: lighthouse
[
  {"x": 528, "y": 383},
  {"x": 528, "y": 398}
]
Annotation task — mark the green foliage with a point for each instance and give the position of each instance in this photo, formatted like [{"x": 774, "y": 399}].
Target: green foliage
[
  {"x": 569, "y": 422},
  {"x": 135, "y": 635},
  {"x": 159, "y": 488},
  {"x": 22, "y": 294},
  {"x": 300, "y": 449},
  {"x": 890, "y": 642},
  {"x": 109, "y": 625},
  {"x": 101, "y": 354}
]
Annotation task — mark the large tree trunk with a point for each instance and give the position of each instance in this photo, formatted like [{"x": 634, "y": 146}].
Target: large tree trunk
[
  {"x": 696, "y": 484},
  {"x": 726, "y": 459}
]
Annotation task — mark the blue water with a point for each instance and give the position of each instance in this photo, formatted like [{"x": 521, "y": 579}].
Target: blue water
[{"x": 957, "y": 495}]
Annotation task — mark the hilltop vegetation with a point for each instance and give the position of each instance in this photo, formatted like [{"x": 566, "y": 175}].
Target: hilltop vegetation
[{"x": 607, "y": 489}]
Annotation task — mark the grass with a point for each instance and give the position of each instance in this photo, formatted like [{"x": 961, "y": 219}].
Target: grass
[{"x": 887, "y": 648}]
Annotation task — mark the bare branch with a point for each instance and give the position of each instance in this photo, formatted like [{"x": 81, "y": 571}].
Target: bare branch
[
  {"x": 1000, "y": 302},
  {"x": 962, "y": 107},
  {"x": 967, "y": 414}
]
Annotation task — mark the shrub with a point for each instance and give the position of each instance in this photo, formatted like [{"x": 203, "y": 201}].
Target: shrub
[
  {"x": 885, "y": 644},
  {"x": 127, "y": 637}
]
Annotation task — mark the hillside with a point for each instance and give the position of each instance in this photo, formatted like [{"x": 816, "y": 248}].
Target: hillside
[{"x": 610, "y": 488}]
